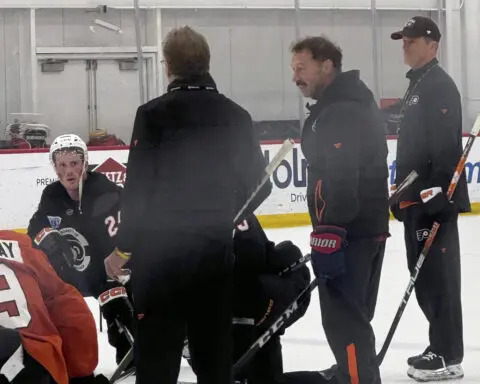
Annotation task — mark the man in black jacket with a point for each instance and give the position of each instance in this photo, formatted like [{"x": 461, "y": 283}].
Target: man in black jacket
[
  {"x": 430, "y": 142},
  {"x": 193, "y": 163},
  {"x": 347, "y": 193}
]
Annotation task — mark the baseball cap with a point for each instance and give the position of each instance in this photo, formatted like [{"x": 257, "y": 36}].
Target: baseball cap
[{"x": 418, "y": 26}]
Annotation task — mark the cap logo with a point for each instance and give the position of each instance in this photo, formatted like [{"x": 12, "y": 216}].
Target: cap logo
[{"x": 410, "y": 23}]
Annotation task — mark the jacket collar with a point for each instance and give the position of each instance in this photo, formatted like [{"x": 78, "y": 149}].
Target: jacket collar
[
  {"x": 195, "y": 82},
  {"x": 414, "y": 74}
]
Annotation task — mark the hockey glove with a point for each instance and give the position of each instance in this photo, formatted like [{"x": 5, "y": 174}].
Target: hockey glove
[
  {"x": 328, "y": 259},
  {"x": 117, "y": 311},
  {"x": 60, "y": 255},
  {"x": 436, "y": 205}
]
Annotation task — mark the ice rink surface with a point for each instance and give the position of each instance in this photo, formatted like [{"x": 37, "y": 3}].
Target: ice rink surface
[{"x": 305, "y": 346}]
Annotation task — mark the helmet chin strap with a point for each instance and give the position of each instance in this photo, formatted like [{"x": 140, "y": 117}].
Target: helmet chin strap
[{"x": 80, "y": 187}]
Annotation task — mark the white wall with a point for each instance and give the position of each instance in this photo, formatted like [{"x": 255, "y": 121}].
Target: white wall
[
  {"x": 390, "y": 4},
  {"x": 15, "y": 77},
  {"x": 250, "y": 56}
]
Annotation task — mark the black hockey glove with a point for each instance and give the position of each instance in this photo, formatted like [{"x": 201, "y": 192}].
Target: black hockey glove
[
  {"x": 117, "y": 310},
  {"x": 436, "y": 205},
  {"x": 328, "y": 259},
  {"x": 59, "y": 253}
]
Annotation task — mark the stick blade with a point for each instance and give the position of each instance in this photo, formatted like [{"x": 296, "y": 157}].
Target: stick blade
[{"x": 476, "y": 127}]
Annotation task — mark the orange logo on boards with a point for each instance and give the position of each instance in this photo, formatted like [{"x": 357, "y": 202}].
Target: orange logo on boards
[{"x": 337, "y": 145}]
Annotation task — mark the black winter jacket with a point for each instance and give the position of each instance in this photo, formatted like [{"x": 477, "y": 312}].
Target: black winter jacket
[
  {"x": 430, "y": 134},
  {"x": 193, "y": 162},
  {"x": 345, "y": 146}
]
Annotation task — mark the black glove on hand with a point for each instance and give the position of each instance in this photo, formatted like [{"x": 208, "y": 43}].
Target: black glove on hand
[
  {"x": 59, "y": 253},
  {"x": 116, "y": 306},
  {"x": 437, "y": 206},
  {"x": 55, "y": 246}
]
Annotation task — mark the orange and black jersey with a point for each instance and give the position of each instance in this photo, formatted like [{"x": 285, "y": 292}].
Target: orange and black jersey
[
  {"x": 56, "y": 326},
  {"x": 345, "y": 146}
]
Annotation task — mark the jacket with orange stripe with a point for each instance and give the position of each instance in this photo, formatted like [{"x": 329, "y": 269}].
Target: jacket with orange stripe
[
  {"x": 345, "y": 146},
  {"x": 56, "y": 326}
]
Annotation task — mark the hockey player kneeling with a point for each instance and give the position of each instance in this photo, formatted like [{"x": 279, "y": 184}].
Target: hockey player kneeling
[
  {"x": 261, "y": 295},
  {"x": 47, "y": 332},
  {"x": 75, "y": 226}
]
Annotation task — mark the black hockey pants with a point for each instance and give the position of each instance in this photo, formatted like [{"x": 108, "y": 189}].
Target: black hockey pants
[
  {"x": 348, "y": 305},
  {"x": 438, "y": 287}
]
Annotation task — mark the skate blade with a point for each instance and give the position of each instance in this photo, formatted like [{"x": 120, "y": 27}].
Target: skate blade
[{"x": 444, "y": 374}]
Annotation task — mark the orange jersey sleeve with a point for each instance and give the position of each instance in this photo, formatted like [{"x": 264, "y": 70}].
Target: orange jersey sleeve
[{"x": 56, "y": 325}]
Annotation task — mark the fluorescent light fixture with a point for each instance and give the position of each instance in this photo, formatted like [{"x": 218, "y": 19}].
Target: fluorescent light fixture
[{"x": 107, "y": 25}]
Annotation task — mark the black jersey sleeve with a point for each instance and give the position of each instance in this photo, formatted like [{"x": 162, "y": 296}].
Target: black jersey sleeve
[{"x": 39, "y": 220}]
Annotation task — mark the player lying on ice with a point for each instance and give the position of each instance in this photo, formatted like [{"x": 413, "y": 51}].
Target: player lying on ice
[
  {"x": 47, "y": 332},
  {"x": 260, "y": 297},
  {"x": 75, "y": 225}
]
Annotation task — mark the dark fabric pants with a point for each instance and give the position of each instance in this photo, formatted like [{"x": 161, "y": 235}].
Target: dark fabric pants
[
  {"x": 438, "y": 287},
  {"x": 182, "y": 289},
  {"x": 32, "y": 372},
  {"x": 348, "y": 306}
]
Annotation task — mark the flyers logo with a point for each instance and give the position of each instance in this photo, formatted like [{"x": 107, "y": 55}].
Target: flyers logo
[{"x": 422, "y": 234}]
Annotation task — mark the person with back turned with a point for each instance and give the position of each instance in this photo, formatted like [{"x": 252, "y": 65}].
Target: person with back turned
[{"x": 193, "y": 163}]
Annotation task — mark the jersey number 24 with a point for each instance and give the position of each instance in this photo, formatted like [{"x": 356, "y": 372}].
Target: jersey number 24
[{"x": 112, "y": 224}]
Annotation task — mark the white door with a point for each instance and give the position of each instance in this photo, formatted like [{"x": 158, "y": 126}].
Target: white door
[
  {"x": 118, "y": 97},
  {"x": 63, "y": 99}
]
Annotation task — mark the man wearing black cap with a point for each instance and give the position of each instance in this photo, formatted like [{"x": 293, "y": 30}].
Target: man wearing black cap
[{"x": 429, "y": 128}]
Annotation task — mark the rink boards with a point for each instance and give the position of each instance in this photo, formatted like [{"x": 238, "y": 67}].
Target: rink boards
[{"x": 25, "y": 174}]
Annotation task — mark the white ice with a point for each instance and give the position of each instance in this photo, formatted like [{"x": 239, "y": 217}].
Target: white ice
[{"x": 305, "y": 346}]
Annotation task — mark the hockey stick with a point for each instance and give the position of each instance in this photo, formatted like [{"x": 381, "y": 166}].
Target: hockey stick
[
  {"x": 428, "y": 243},
  {"x": 271, "y": 167},
  {"x": 411, "y": 177},
  {"x": 297, "y": 264},
  {"x": 265, "y": 337}
]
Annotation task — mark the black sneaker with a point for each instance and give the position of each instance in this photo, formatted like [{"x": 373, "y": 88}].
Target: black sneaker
[
  {"x": 412, "y": 359},
  {"x": 432, "y": 367}
]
